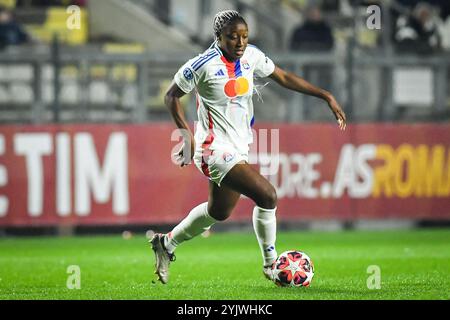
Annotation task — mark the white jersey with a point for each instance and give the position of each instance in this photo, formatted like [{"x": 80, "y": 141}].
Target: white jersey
[{"x": 224, "y": 92}]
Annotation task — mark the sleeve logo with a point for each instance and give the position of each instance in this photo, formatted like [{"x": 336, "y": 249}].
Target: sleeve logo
[{"x": 187, "y": 73}]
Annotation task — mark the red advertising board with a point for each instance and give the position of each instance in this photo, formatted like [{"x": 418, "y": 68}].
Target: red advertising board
[{"x": 123, "y": 174}]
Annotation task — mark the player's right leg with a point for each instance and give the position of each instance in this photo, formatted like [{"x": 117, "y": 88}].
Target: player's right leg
[
  {"x": 221, "y": 203},
  {"x": 162, "y": 257},
  {"x": 197, "y": 221}
]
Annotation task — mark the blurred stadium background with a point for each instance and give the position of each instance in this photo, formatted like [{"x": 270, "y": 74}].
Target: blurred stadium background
[{"x": 85, "y": 138}]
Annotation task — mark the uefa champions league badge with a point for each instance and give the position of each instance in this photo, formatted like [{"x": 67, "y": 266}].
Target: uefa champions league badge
[
  {"x": 245, "y": 64},
  {"x": 187, "y": 73}
]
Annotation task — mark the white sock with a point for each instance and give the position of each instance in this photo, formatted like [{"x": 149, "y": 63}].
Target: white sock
[
  {"x": 197, "y": 221},
  {"x": 265, "y": 225}
]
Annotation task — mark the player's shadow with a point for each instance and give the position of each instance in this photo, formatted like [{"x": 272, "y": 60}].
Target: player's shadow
[
  {"x": 348, "y": 292},
  {"x": 326, "y": 293}
]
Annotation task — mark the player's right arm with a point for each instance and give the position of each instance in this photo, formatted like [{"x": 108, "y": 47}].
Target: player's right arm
[
  {"x": 172, "y": 101},
  {"x": 184, "y": 81}
]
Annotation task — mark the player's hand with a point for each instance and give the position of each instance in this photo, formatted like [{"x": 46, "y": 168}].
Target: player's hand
[
  {"x": 186, "y": 153},
  {"x": 338, "y": 113}
]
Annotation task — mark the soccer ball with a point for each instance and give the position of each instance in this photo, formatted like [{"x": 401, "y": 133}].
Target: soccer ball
[{"x": 293, "y": 268}]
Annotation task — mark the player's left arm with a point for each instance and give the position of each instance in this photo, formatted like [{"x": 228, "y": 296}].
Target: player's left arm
[{"x": 293, "y": 82}]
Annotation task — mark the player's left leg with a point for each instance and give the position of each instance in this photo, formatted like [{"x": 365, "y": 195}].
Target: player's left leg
[{"x": 244, "y": 179}]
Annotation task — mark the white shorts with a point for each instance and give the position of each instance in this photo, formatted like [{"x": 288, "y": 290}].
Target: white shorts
[{"x": 216, "y": 163}]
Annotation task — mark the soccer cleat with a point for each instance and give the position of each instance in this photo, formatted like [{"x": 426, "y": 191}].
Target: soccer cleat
[
  {"x": 268, "y": 273},
  {"x": 162, "y": 257}
]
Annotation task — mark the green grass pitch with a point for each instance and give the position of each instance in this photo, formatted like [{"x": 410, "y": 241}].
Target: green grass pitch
[{"x": 413, "y": 264}]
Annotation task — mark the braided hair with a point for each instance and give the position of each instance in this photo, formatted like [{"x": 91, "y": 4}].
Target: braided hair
[{"x": 224, "y": 18}]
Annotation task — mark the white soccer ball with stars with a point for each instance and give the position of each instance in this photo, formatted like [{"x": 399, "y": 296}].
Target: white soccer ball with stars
[{"x": 293, "y": 268}]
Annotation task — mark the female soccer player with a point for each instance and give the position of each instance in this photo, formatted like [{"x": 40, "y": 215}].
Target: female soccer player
[{"x": 223, "y": 79}]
